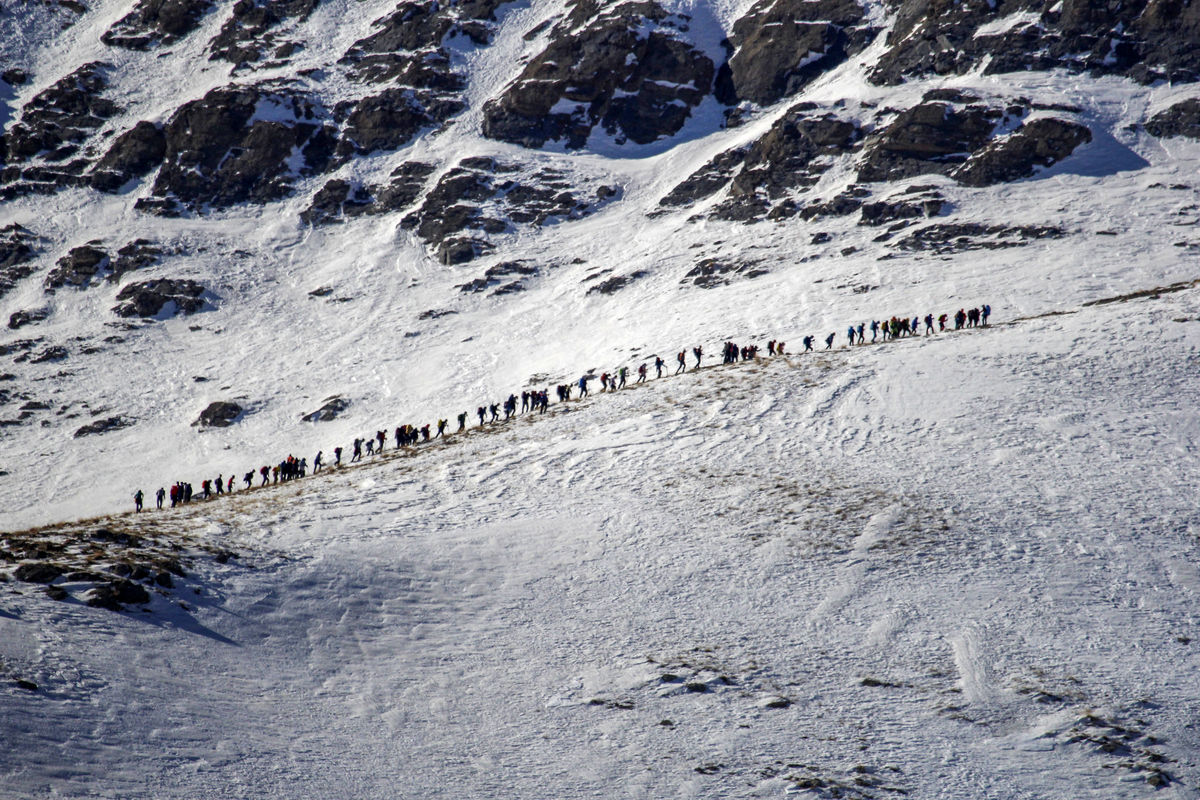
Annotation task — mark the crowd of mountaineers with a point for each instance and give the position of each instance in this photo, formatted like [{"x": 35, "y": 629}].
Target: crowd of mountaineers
[{"x": 292, "y": 468}]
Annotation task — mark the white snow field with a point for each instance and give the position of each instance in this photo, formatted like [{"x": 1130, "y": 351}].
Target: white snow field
[
  {"x": 965, "y": 565},
  {"x": 955, "y": 566}
]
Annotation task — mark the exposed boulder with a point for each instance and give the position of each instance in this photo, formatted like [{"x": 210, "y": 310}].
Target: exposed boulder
[
  {"x": 79, "y": 267},
  {"x": 20, "y": 319},
  {"x": 1039, "y": 143},
  {"x": 927, "y": 204},
  {"x": 617, "y": 282},
  {"x": 626, "y": 68},
  {"x": 1181, "y": 119},
  {"x": 781, "y": 45},
  {"x": 138, "y": 254},
  {"x": 133, "y": 154},
  {"x": 336, "y": 200},
  {"x": 160, "y": 298},
  {"x": 103, "y": 426},
  {"x": 501, "y": 275},
  {"x": 713, "y": 272},
  {"x": 461, "y": 249},
  {"x": 220, "y": 414},
  {"x": 239, "y": 144},
  {"x": 156, "y": 22},
  {"x": 38, "y": 572},
  {"x": 16, "y": 255},
  {"x": 332, "y": 407}
]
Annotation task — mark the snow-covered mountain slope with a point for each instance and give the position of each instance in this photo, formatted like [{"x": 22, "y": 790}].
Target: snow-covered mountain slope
[{"x": 960, "y": 565}]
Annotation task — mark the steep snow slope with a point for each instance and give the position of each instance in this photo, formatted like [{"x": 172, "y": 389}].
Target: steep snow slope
[{"x": 962, "y": 565}]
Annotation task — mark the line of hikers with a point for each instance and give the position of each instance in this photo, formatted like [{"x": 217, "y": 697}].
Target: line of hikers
[{"x": 411, "y": 435}]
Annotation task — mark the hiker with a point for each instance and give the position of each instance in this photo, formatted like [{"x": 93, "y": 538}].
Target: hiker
[
  {"x": 441, "y": 427},
  {"x": 462, "y": 422},
  {"x": 494, "y": 409},
  {"x": 808, "y": 340},
  {"x": 829, "y": 341},
  {"x": 206, "y": 488},
  {"x": 229, "y": 486},
  {"x": 161, "y": 493},
  {"x": 425, "y": 432},
  {"x": 642, "y": 374},
  {"x": 928, "y": 324},
  {"x": 248, "y": 478},
  {"x": 850, "y": 335},
  {"x": 698, "y": 352},
  {"x": 266, "y": 475},
  {"x": 583, "y": 379},
  {"x": 337, "y": 456},
  {"x": 481, "y": 411},
  {"x": 137, "y": 501},
  {"x": 370, "y": 447},
  {"x": 942, "y": 323},
  {"x": 874, "y": 330},
  {"x": 317, "y": 463},
  {"x": 779, "y": 348},
  {"x": 623, "y": 372},
  {"x": 658, "y": 366},
  {"x": 985, "y": 312},
  {"x": 682, "y": 359}
]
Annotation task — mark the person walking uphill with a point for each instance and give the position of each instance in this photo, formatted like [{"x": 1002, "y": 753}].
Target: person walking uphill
[{"x": 137, "y": 501}]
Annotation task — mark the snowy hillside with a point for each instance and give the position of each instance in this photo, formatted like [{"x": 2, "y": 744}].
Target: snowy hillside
[{"x": 961, "y": 565}]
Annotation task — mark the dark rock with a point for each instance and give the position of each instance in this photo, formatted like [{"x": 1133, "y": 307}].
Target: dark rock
[
  {"x": 38, "y": 572},
  {"x": 405, "y": 186},
  {"x": 25, "y": 317},
  {"x": 53, "y": 353},
  {"x": 710, "y": 272},
  {"x": 151, "y": 298},
  {"x": 14, "y": 77},
  {"x": 617, "y": 282},
  {"x": 156, "y": 22},
  {"x": 821, "y": 238},
  {"x": 220, "y": 414},
  {"x": 134, "y": 154},
  {"x": 16, "y": 255},
  {"x": 138, "y": 254},
  {"x": 962, "y": 237},
  {"x": 103, "y": 426},
  {"x": 461, "y": 249},
  {"x": 390, "y": 119},
  {"x": 28, "y": 686},
  {"x": 332, "y": 407},
  {"x": 435, "y": 314},
  {"x": 248, "y": 33},
  {"x": 219, "y": 154},
  {"x": 928, "y": 138},
  {"x": 79, "y": 267},
  {"x": 334, "y": 201},
  {"x": 1181, "y": 119},
  {"x": 626, "y": 68},
  {"x": 1040, "y": 143},
  {"x": 707, "y": 180},
  {"x": 883, "y": 211},
  {"x": 56, "y": 593},
  {"x": 115, "y": 594},
  {"x": 66, "y": 113},
  {"x": 780, "y": 46}
]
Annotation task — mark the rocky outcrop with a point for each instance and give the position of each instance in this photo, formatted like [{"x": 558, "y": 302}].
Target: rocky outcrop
[
  {"x": 762, "y": 177},
  {"x": 390, "y": 119},
  {"x": 102, "y": 426},
  {"x": 160, "y": 298},
  {"x": 239, "y": 144},
  {"x": 154, "y": 22},
  {"x": 626, "y": 68},
  {"x": 1181, "y": 119},
  {"x": 134, "y": 154},
  {"x": 138, "y": 254},
  {"x": 220, "y": 414},
  {"x": 49, "y": 136},
  {"x": 340, "y": 199},
  {"x": 1040, "y": 143},
  {"x": 79, "y": 267},
  {"x": 250, "y": 32},
  {"x": 712, "y": 272},
  {"x": 330, "y": 409},
  {"x": 16, "y": 256},
  {"x": 933, "y": 137},
  {"x": 408, "y": 47},
  {"x": 779, "y": 46},
  {"x": 485, "y": 195},
  {"x": 19, "y": 319},
  {"x": 946, "y": 238},
  {"x": 1146, "y": 40}
]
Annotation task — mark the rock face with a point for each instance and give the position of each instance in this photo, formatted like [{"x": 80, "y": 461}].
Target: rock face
[
  {"x": 238, "y": 144},
  {"x": 332, "y": 407},
  {"x": 134, "y": 154},
  {"x": 1146, "y": 40},
  {"x": 781, "y": 45},
  {"x": 102, "y": 426},
  {"x": 151, "y": 298},
  {"x": 1181, "y": 119},
  {"x": 762, "y": 176},
  {"x": 927, "y": 138},
  {"x": 79, "y": 268},
  {"x": 154, "y": 22},
  {"x": 16, "y": 256},
  {"x": 220, "y": 414},
  {"x": 49, "y": 136},
  {"x": 250, "y": 32},
  {"x": 1040, "y": 143},
  {"x": 626, "y": 68},
  {"x": 339, "y": 199}
]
